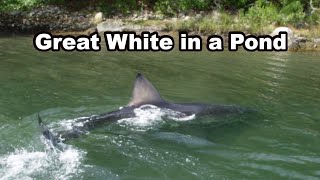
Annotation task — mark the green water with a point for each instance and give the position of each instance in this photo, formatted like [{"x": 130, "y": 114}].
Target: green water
[{"x": 282, "y": 140}]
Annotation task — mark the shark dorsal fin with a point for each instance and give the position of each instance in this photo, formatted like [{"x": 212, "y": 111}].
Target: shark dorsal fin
[{"x": 144, "y": 92}]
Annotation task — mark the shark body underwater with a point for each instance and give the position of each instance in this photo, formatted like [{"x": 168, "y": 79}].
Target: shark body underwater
[{"x": 144, "y": 93}]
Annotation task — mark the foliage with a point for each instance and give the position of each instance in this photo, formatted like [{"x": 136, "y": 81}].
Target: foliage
[
  {"x": 172, "y": 7},
  {"x": 292, "y": 12},
  {"x": 263, "y": 12},
  {"x": 118, "y": 6},
  {"x": 10, "y": 5},
  {"x": 260, "y": 12},
  {"x": 233, "y": 5}
]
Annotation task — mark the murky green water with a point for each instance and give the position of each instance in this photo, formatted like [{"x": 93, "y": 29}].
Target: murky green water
[{"x": 282, "y": 140}]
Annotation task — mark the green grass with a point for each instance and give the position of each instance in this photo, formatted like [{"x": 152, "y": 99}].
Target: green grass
[
  {"x": 14, "y": 5},
  {"x": 260, "y": 17},
  {"x": 222, "y": 25},
  {"x": 250, "y": 16}
]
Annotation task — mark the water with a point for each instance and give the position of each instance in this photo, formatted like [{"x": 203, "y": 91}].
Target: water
[{"x": 280, "y": 141}]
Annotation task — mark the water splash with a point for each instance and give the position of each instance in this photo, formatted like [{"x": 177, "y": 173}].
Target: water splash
[
  {"x": 150, "y": 115},
  {"x": 68, "y": 124},
  {"x": 31, "y": 163},
  {"x": 26, "y": 163}
]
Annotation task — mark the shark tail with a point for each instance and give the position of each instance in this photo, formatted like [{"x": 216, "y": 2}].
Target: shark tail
[{"x": 47, "y": 133}]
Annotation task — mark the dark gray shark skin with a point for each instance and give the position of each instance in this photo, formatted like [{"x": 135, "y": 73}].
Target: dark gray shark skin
[{"x": 144, "y": 93}]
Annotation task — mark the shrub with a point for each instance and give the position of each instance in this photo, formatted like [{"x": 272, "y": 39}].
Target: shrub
[
  {"x": 9, "y": 5},
  {"x": 260, "y": 13},
  {"x": 292, "y": 13},
  {"x": 118, "y": 6},
  {"x": 173, "y": 7}
]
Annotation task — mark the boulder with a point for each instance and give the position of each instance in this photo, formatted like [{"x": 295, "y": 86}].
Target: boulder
[
  {"x": 316, "y": 42},
  {"x": 292, "y": 41},
  {"x": 98, "y": 18},
  {"x": 110, "y": 25}
]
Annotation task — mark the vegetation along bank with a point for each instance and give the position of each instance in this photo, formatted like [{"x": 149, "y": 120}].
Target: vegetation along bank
[{"x": 202, "y": 17}]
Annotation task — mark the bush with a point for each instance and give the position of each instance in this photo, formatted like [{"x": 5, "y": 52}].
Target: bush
[
  {"x": 10, "y": 5},
  {"x": 260, "y": 13},
  {"x": 263, "y": 13},
  {"x": 314, "y": 18},
  {"x": 233, "y": 5},
  {"x": 256, "y": 12},
  {"x": 173, "y": 7},
  {"x": 292, "y": 13},
  {"x": 118, "y": 6}
]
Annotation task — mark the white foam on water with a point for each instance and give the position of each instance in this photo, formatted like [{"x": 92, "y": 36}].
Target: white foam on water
[
  {"x": 149, "y": 115},
  {"x": 145, "y": 116},
  {"x": 29, "y": 164},
  {"x": 22, "y": 164},
  {"x": 68, "y": 124},
  {"x": 70, "y": 161},
  {"x": 186, "y": 118}
]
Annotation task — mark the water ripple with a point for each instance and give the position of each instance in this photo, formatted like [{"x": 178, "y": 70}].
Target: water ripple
[{"x": 279, "y": 171}]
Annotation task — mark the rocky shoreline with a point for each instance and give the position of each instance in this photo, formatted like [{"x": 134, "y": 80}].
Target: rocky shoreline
[
  {"x": 45, "y": 18},
  {"x": 58, "y": 20}
]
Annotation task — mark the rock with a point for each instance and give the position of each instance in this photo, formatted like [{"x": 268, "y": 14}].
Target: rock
[
  {"x": 317, "y": 40},
  {"x": 159, "y": 16},
  {"x": 98, "y": 18},
  {"x": 25, "y": 22},
  {"x": 292, "y": 41},
  {"x": 130, "y": 27},
  {"x": 44, "y": 18},
  {"x": 135, "y": 15},
  {"x": 301, "y": 40},
  {"x": 145, "y": 17},
  {"x": 283, "y": 29},
  {"x": 110, "y": 25},
  {"x": 198, "y": 16},
  {"x": 181, "y": 15},
  {"x": 186, "y": 18},
  {"x": 152, "y": 16},
  {"x": 15, "y": 13},
  {"x": 31, "y": 14},
  {"x": 174, "y": 19}
]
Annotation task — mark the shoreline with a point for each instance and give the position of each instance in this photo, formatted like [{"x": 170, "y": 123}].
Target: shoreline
[{"x": 59, "y": 21}]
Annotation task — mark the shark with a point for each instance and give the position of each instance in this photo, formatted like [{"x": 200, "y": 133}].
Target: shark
[{"x": 144, "y": 93}]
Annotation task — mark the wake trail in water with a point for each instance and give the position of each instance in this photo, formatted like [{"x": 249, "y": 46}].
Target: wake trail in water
[
  {"x": 145, "y": 116},
  {"x": 27, "y": 163}
]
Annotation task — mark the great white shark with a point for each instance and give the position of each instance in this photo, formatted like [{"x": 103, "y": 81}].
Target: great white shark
[{"x": 144, "y": 93}]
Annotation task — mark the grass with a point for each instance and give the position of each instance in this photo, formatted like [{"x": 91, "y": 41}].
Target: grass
[
  {"x": 224, "y": 23},
  {"x": 14, "y": 5},
  {"x": 259, "y": 18},
  {"x": 313, "y": 31}
]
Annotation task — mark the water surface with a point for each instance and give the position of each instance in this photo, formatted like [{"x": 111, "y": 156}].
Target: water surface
[{"x": 282, "y": 140}]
